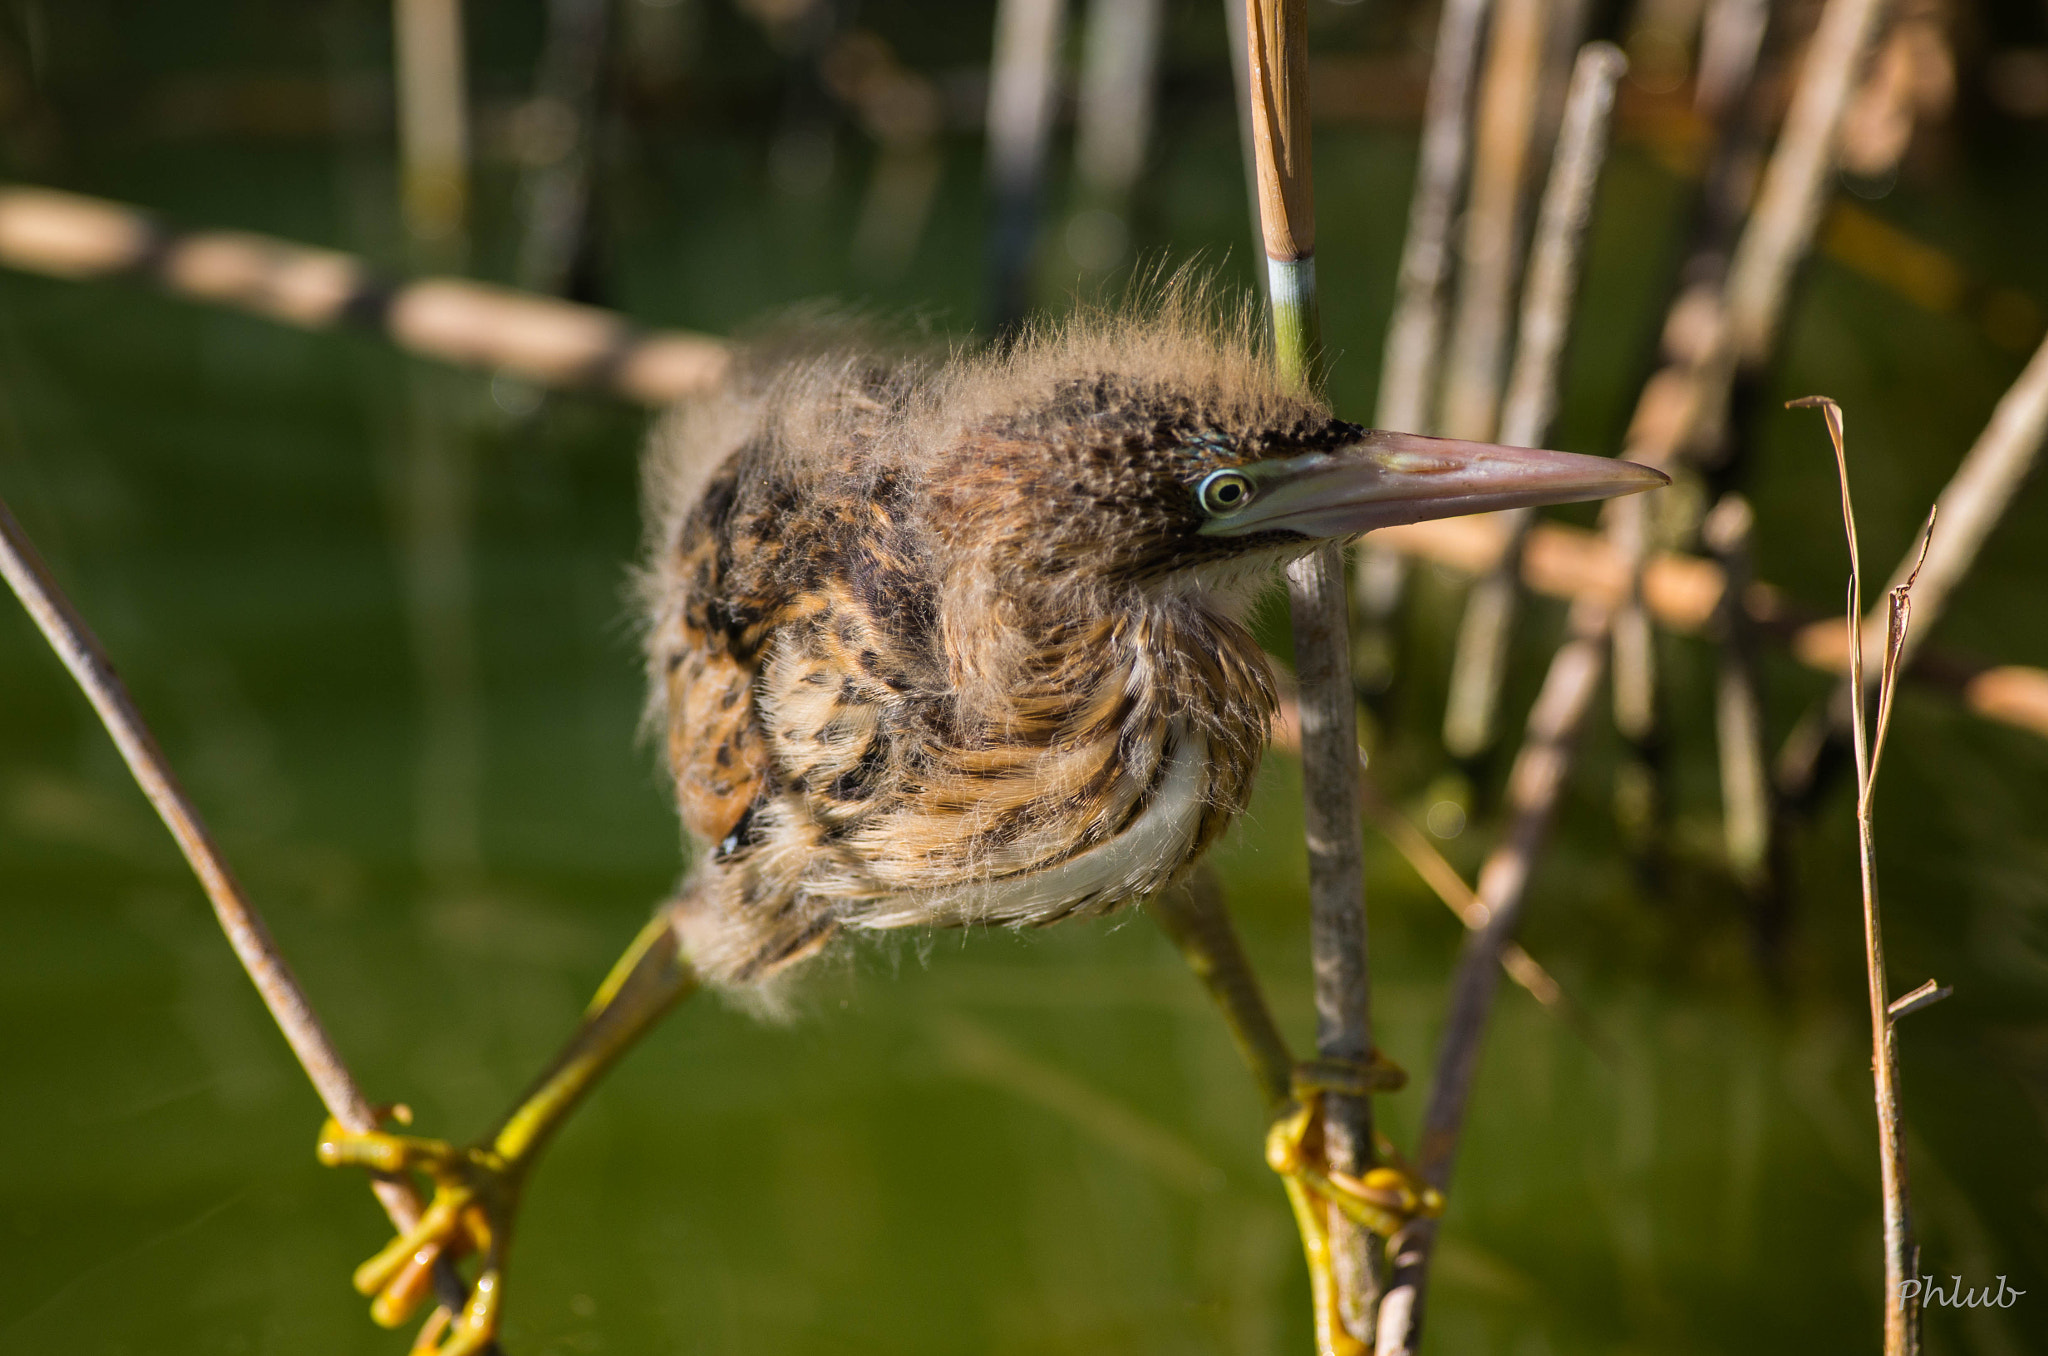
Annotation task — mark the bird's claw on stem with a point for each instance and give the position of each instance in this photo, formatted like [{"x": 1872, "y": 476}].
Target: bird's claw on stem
[
  {"x": 1388, "y": 1196},
  {"x": 476, "y": 1191}
]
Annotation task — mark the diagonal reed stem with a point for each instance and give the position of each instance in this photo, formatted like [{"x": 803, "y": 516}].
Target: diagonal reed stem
[{"x": 82, "y": 654}]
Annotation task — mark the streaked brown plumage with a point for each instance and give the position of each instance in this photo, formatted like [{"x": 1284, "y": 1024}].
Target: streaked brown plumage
[
  {"x": 948, "y": 642},
  {"x": 932, "y": 639}
]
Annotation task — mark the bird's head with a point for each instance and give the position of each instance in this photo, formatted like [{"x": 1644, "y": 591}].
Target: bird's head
[{"x": 1186, "y": 483}]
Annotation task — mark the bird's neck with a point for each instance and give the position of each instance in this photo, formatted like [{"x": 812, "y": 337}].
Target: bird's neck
[{"x": 1063, "y": 661}]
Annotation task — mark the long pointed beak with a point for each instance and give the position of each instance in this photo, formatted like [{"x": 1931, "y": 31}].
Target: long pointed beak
[{"x": 1385, "y": 479}]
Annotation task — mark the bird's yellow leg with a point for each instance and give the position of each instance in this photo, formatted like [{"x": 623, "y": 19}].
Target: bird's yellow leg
[
  {"x": 1388, "y": 1195},
  {"x": 477, "y": 1186}
]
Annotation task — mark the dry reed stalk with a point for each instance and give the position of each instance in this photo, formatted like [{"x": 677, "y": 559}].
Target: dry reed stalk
[
  {"x": 1681, "y": 409},
  {"x": 1415, "y": 334},
  {"x": 1023, "y": 96},
  {"x": 1113, "y": 122},
  {"x": 452, "y": 320},
  {"x": 1746, "y": 809},
  {"x": 1490, "y": 254},
  {"x": 1277, "y": 65},
  {"x": 1480, "y": 662},
  {"x": 1901, "y": 1255},
  {"x": 80, "y": 650},
  {"x": 1972, "y": 503},
  {"x": 433, "y": 121},
  {"x": 556, "y": 133}
]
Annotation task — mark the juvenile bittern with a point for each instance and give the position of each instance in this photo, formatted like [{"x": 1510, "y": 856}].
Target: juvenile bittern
[{"x": 948, "y": 642}]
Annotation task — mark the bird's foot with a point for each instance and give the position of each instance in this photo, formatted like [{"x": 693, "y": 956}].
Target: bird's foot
[
  {"x": 1386, "y": 1197},
  {"x": 476, "y": 1193}
]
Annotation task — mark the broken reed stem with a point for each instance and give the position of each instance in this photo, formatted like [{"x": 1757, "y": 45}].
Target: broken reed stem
[
  {"x": 1276, "y": 33},
  {"x": 1447, "y": 885},
  {"x": 1901, "y": 1255},
  {"x": 1971, "y": 504},
  {"x": 453, "y": 320},
  {"x": 1480, "y": 662},
  {"x": 75, "y": 644}
]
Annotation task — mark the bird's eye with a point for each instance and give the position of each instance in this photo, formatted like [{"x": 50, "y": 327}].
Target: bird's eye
[{"x": 1223, "y": 493}]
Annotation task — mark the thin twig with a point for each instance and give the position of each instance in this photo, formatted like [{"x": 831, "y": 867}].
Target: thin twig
[
  {"x": 1277, "y": 50},
  {"x": 1480, "y": 663},
  {"x": 1461, "y": 899},
  {"x": 453, "y": 320},
  {"x": 75, "y": 644},
  {"x": 1971, "y": 506}
]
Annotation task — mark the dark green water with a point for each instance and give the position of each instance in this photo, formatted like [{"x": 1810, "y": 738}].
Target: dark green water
[{"x": 962, "y": 1143}]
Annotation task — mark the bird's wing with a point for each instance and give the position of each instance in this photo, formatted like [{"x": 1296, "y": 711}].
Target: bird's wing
[{"x": 716, "y": 754}]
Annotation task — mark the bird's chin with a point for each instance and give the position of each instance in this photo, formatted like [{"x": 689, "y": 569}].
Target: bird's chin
[{"x": 1232, "y": 585}]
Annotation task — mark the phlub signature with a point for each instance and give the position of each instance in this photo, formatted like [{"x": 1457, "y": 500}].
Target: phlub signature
[{"x": 1928, "y": 1291}]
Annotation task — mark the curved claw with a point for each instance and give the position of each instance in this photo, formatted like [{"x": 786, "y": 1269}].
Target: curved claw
[
  {"x": 476, "y": 1191},
  {"x": 1387, "y": 1197}
]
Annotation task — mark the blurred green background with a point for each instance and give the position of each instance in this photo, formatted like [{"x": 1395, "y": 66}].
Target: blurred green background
[{"x": 978, "y": 1142}]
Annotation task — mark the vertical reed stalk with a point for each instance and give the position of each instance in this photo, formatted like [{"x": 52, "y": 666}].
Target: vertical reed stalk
[
  {"x": 1277, "y": 43},
  {"x": 1023, "y": 95},
  {"x": 1480, "y": 664},
  {"x": 1490, "y": 255},
  {"x": 1901, "y": 1255},
  {"x": 1409, "y": 364},
  {"x": 433, "y": 120}
]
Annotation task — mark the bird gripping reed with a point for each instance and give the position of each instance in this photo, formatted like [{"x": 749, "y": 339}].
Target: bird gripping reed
[{"x": 1276, "y": 44}]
